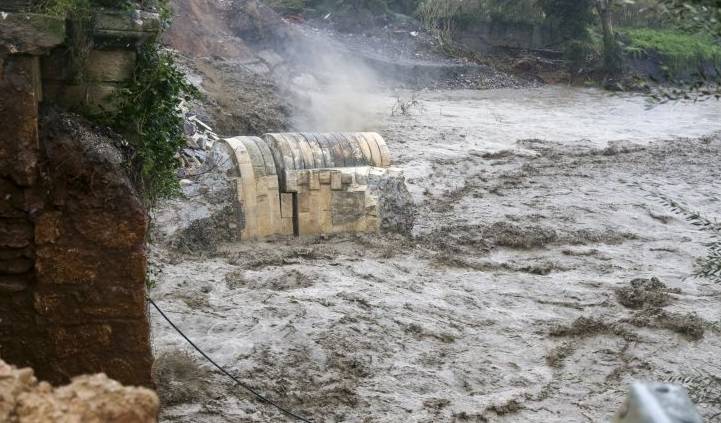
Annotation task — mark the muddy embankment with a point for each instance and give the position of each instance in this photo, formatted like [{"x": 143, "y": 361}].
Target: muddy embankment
[
  {"x": 260, "y": 72},
  {"x": 540, "y": 280}
]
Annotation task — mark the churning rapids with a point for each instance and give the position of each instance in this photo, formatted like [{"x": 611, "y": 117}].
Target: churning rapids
[{"x": 535, "y": 207}]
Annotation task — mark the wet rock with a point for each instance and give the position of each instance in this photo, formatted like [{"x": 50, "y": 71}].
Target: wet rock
[{"x": 396, "y": 209}]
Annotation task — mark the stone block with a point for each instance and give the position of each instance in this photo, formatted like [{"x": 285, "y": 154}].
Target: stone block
[
  {"x": 291, "y": 181},
  {"x": 30, "y": 33},
  {"x": 10, "y": 284},
  {"x": 347, "y": 207},
  {"x": 15, "y": 266},
  {"x": 304, "y": 202},
  {"x": 336, "y": 180},
  {"x": 324, "y": 177},
  {"x": 130, "y": 335},
  {"x": 76, "y": 304},
  {"x": 119, "y": 28},
  {"x": 78, "y": 340},
  {"x": 286, "y": 205},
  {"x": 346, "y": 178},
  {"x": 325, "y": 196},
  {"x": 15, "y": 233},
  {"x": 303, "y": 178},
  {"x": 95, "y": 97},
  {"x": 110, "y": 65},
  {"x": 361, "y": 176},
  {"x": 109, "y": 228},
  {"x": 314, "y": 180},
  {"x": 47, "y": 227},
  {"x": 58, "y": 264},
  {"x": 287, "y": 226},
  {"x": 19, "y": 151},
  {"x": 15, "y": 253},
  {"x": 305, "y": 224},
  {"x": 12, "y": 200}
]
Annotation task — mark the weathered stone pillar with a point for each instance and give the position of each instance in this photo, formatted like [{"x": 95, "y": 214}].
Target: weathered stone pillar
[
  {"x": 72, "y": 229},
  {"x": 22, "y": 38}
]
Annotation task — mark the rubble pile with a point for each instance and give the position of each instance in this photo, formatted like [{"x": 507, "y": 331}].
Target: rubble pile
[
  {"x": 88, "y": 399},
  {"x": 199, "y": 138}
]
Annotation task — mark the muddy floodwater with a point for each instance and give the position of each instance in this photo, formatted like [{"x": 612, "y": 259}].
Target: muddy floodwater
[{"x": 546, "y": 272}]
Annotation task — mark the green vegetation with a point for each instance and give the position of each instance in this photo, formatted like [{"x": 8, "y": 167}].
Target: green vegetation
[
  {"x": 679, "y": 50},
  {"x": 149, "y": 116},
  {"x": 148, "y": 108},
  {"x": 573, "y": 20},
  {"x": 64, "y": 8},
  {"x": 699, "y": 17}
]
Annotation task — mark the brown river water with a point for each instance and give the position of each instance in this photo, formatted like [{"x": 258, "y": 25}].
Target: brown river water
[{"x": 535, "y": 206}]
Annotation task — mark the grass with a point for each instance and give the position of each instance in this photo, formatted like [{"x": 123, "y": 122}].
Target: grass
[{"x": 681, "y": 50}]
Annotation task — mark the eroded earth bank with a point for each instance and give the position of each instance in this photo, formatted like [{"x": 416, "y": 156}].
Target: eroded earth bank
[{"x": 544, "y": 274}]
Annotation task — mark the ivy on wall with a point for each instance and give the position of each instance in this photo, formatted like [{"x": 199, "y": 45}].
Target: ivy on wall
[
  {"x": 147, "y": 108},
  {"x": 148, "y": 115}
]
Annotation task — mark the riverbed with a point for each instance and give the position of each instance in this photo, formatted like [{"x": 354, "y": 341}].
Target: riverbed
[{"x": 535, "y": 207}]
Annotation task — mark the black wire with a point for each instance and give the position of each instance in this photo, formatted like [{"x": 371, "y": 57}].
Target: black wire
[{"x": 225, "y": 372}]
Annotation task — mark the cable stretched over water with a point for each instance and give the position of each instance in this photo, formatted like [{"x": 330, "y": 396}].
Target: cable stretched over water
[{"x": 225, "y": 372}]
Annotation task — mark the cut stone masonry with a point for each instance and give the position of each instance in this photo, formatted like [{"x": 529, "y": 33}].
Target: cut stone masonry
[
  {"x": 307, "y": 184},
  {"x": 72, "y": 228}
]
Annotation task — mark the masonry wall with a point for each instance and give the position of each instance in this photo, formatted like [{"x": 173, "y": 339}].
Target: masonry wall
[{"x": 72, "y": 229}]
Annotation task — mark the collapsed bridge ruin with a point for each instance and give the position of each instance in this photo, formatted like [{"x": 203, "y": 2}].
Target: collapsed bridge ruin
[{"x": 294, "y": 184}]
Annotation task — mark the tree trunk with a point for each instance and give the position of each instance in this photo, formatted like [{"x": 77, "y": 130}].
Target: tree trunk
[{"x": 611, "y": 50}]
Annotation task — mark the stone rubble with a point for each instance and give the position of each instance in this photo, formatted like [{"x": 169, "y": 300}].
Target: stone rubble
[
  {"x": 88, "y": 399},
  {"x": 199, "y": 138}
]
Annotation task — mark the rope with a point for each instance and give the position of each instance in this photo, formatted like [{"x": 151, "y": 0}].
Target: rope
[{"x": 245, "y": 386}]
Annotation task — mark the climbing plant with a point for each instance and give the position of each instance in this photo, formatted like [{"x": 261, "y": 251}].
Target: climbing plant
[
  {"x": 147, "y": 109},
  {"x": 148, "y": 114}
]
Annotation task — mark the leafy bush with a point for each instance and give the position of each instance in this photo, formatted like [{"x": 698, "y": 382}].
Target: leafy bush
[
  {"x": 149, "y": 116},
  {"x": 148, "y": 106},
  {"x": 572, "y": 20},
  {"x": 678, "y": 48}
]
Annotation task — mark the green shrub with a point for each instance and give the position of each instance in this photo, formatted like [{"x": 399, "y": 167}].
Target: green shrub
[
  {"x": 679, "y": 50},
  {"x": 149, "y": 116},
  {"x": 147, "y": 109}
]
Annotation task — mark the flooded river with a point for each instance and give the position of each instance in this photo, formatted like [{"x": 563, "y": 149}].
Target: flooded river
[{"x": 536, "y": 208}]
